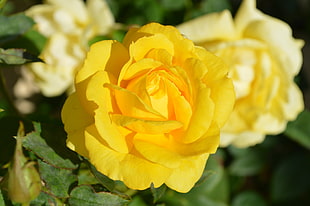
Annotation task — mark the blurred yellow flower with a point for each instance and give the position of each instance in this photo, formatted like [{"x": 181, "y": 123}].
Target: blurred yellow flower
[
  {"x": 263, "y": 58},
  {"x": 149, "y": 110},
  {"x": 68, "y": 25}
]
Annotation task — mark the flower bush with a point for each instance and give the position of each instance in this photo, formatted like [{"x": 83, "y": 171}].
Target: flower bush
[
  {"x": 263, "y": 58},
  {"x": 68, "y": 26},
  {"x": 148, "y": 110},
  {"x": 137, "y": 119}
]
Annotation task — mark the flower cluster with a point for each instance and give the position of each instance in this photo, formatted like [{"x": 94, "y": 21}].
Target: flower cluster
[
  {"x": 151, "y": 109},
  {"x": 148, "y": 110},
  {"x": 263, "y": 58},
  {"x": 68, "y": 26}
]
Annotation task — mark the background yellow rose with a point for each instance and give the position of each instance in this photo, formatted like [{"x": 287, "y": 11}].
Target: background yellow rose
[
  {"x": 149, "y": 110},
  {"x": 68, "y": 25},
  {"x": 263, "y": 58}
]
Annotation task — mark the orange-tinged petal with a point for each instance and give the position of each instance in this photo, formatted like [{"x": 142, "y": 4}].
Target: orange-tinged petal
[
  {"x": 179, "y": 107},
  {"x": 138, "y": 68},
  {"x": 184, "y": 178},
  {"x": 131, "y": 105},
  {"x": 138, "y": 86}
]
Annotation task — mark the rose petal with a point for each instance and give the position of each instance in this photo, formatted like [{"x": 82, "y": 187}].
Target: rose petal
[
  {"x": 75, "y": 7},
  {"x": 146, "y": 126},
  {"x": 182, "y": 47},
  {"x": 246, "y": 14},
  {"x": 75, "y": 121},
  {"x": 99, "y": 10},
  {"x": 138, "y": 68},
  {"x": 139, "y": 49},
  {"x": 106, "y": 160},
  {"x": 221, "y": 90},
  {"x": 97, "y": 94},
  {"x": 184, "y": 178},
  {"x": 131, "y": 105},
  {"x": 158, "y": 154},
  {"x": 294, "y": 103},
  {"x": 241, "y": 139},
  {"x": 208, "y": 143},
  {"x": 209, "y": 27},
  {"x": 278, "y": 36},
  {"x": 202, "y": 116},
  {"x": 107, "y": 55},
  {"x": 138, "y": 173}
]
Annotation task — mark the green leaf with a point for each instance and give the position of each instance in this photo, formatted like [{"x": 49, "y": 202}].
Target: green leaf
[
  {"x": 32, "y": 41},
  {"x": 57, "y": 157},
  {"x": 212, "y": 175},
  {"x": 16, "y": 56},
  {"x": 250, "y": 163},
  {"x": 172, "y": 4},
  {"x": 86, "y": 196},
  {"x": 208, "y": 6},
  {"x": 104, "y": 180},
  {"x": 13, "y": 26},
  {"x": 221, "y": 191},
  {"x": 158, "y": 192},
  {"x": 290, "y": 180},
  {"x": 85, "y": 176},
  {"x": 137, "y": 201},
  {"x": 248, "y": 198},
  {"x": 57, "y": 181},
  {"x": 119, "y": 35},
  {"x": 44, "y": 199},
  {"x": 299, "y": 130}
]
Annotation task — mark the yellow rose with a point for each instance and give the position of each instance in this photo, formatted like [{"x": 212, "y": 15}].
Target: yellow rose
[
  {"x": 68, "y": 25},
  {"x": 263, "y": 58},
  {"x": 149, "y": 110}
]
